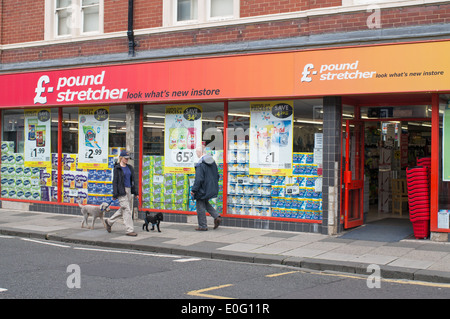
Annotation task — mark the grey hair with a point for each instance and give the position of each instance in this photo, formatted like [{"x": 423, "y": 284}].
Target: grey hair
[{"x": 201, "y": 148}]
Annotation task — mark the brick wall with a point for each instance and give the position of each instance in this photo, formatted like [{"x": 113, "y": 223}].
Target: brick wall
[
  {"x": 22, "y": 21},
  {"x": 147, "y": 14},
  {"x": 251, "y": 8},
  {"x": 116, "y": 20}
]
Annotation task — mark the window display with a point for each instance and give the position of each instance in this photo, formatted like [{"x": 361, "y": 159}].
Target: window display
[
  {"x": 288, "y": 186},
  {"x": 29, "y": 144},
  {"x": 171, "y": 134},
  {"x": 29, "y": 166},
  {"x": 98, "y": 136},
  {"x": 444, "y": 171},
  {"x": 274, "y": 155},
  {"x": 271, "y": 136}
]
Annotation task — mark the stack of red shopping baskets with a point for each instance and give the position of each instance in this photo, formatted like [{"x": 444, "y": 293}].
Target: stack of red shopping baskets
[
  {"x": 425, "y": 161},
  {"x": 418, "y": 181}
]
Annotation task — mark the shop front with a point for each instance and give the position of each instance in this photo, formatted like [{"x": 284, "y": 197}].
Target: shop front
[{"x": 287, "y": 130}]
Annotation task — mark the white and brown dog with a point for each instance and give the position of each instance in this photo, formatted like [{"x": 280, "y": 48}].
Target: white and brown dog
[{"x": 95, "y": 212}]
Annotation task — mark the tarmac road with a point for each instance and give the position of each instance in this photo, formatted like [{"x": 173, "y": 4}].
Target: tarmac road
[{"x": 34, "y": 268}]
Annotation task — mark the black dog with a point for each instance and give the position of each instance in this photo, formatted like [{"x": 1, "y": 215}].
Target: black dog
[{"x": 152, "y": 219}]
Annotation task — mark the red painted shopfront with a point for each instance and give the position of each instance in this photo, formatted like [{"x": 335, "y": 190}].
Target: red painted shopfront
[{"x": 391, "y": 75}]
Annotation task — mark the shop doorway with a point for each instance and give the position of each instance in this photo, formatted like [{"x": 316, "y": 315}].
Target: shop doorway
[
  {"x": 379, "y": 143},
  {"x": 390, "y": 147}
]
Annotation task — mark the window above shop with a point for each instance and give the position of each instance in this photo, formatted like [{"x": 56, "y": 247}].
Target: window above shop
[
  {"x": 180, "y": 12},
  {"x": 73, "y": 18},
  {"x": 366, "y": 2}
]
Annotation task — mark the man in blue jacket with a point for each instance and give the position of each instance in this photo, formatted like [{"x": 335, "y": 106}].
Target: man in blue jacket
[{"x": 206, "y": 186}]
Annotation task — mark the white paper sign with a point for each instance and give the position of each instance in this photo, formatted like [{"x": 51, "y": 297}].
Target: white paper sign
[
  {"x": 93, "y": 137},
  {"x": 443, "y": 219},
  {"x": 38, "y": 143},
  {"x": 271, "y": 138},
  {"x": 182, "y": 135}
]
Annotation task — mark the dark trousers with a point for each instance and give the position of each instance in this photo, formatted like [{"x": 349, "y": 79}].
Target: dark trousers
[{"x": 204, "y": 206}]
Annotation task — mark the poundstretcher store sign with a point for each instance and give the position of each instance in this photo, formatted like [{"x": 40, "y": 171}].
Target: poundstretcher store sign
[{"x": 395, "y": 68}]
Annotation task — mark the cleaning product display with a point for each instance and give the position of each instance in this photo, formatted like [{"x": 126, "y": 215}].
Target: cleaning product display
[
  {"x": 292, "y": 196},
  {"x": 171, "y": 191},
  {"x": 40, "y": 183}
]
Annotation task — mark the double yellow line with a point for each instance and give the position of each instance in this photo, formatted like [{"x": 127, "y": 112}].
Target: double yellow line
[{"x": 200, "y": 292}]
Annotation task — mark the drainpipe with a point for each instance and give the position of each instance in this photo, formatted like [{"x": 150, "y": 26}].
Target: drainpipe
[{"x": 130, "y": 33}]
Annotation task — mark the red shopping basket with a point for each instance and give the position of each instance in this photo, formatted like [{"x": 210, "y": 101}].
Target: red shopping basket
[{"x": 421, "y": 228}]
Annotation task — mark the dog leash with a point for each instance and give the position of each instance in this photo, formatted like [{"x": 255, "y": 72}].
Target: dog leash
[{"x": 109, "y": 204}]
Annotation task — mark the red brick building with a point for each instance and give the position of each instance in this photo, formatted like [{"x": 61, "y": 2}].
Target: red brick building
[
  {"x": 37, "y": 37},
  {"x": 29, "y": 34}
]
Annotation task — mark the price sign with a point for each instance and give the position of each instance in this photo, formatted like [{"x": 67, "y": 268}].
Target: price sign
[
  {"x": 271, "y": 138},
  {"x": 37, "y": 151},
  {"x": 183, "y": 131},
  {"x": 93, "y": 126},
  {"x": 182, "y": 156}
]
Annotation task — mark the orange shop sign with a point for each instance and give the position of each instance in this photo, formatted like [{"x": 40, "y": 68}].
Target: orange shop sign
[{"x": 414, "y": 67}]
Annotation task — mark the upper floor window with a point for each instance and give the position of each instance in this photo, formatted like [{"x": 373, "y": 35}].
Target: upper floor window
[
  {"x": 90, "y": 12},
  {"x": 187, "y": 10},
  {"x": 73, "y": 17},
  {"x": 221, "y": 8},
  {"x": 364, "y": 2},
  {"x": 63, "y": 17},
  {"x": 199, "y": 11}
]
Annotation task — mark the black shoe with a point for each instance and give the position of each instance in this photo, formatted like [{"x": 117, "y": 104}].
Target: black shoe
[
  {"x": 201, "y": 229},
  {"x": 107, "y": 226},
  {"x": 217, "y": 222}
]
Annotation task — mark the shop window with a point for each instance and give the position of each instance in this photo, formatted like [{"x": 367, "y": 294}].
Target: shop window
[
  {"x": 274, "y": 159},
  {"x": 93, "y": 138},
  {"x": 29, "y": 145},
  {"x": 171, "y": 134},
  {"x": 444, "y": 163}
]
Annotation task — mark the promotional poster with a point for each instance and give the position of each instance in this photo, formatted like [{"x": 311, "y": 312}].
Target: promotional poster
[
  {"x": 37, "y": 146},
  {"x": 183, "y": 133},
  {"x": 271, "y": 137},
  {"x": 93, "y": 125}
]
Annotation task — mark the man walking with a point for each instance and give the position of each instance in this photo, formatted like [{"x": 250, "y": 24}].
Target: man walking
[
  {"x": 124, "y": 187},
  {"x": 206, "y": 186}
]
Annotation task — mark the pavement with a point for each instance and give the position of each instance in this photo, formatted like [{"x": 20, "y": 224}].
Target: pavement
[{"x": 409, "y": 259}]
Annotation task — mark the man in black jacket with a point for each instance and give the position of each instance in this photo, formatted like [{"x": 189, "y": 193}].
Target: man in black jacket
[
  {"x": 124, "y": 188},
  {"x": 206, "y": 186}
]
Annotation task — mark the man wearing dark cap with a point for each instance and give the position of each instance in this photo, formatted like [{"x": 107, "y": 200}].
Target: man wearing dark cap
[{"x": 124, "y": 187}]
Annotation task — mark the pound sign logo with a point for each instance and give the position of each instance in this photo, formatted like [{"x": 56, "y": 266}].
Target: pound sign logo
[
  {"x": 306, "y": 72},
  {"x": 39, "y": 90}
]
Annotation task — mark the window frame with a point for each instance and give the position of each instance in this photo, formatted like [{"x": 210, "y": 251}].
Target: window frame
[
  {"x": 77, "y": 18},
  {"x": 56, "y": 18},
  {"x": 82, "y": 14},
  {"x": 170, "y": 13},
  {"x": 209, "y": 7}
]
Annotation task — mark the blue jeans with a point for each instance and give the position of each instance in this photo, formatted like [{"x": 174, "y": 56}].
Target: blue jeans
[{"x": 204, "y": 206}]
